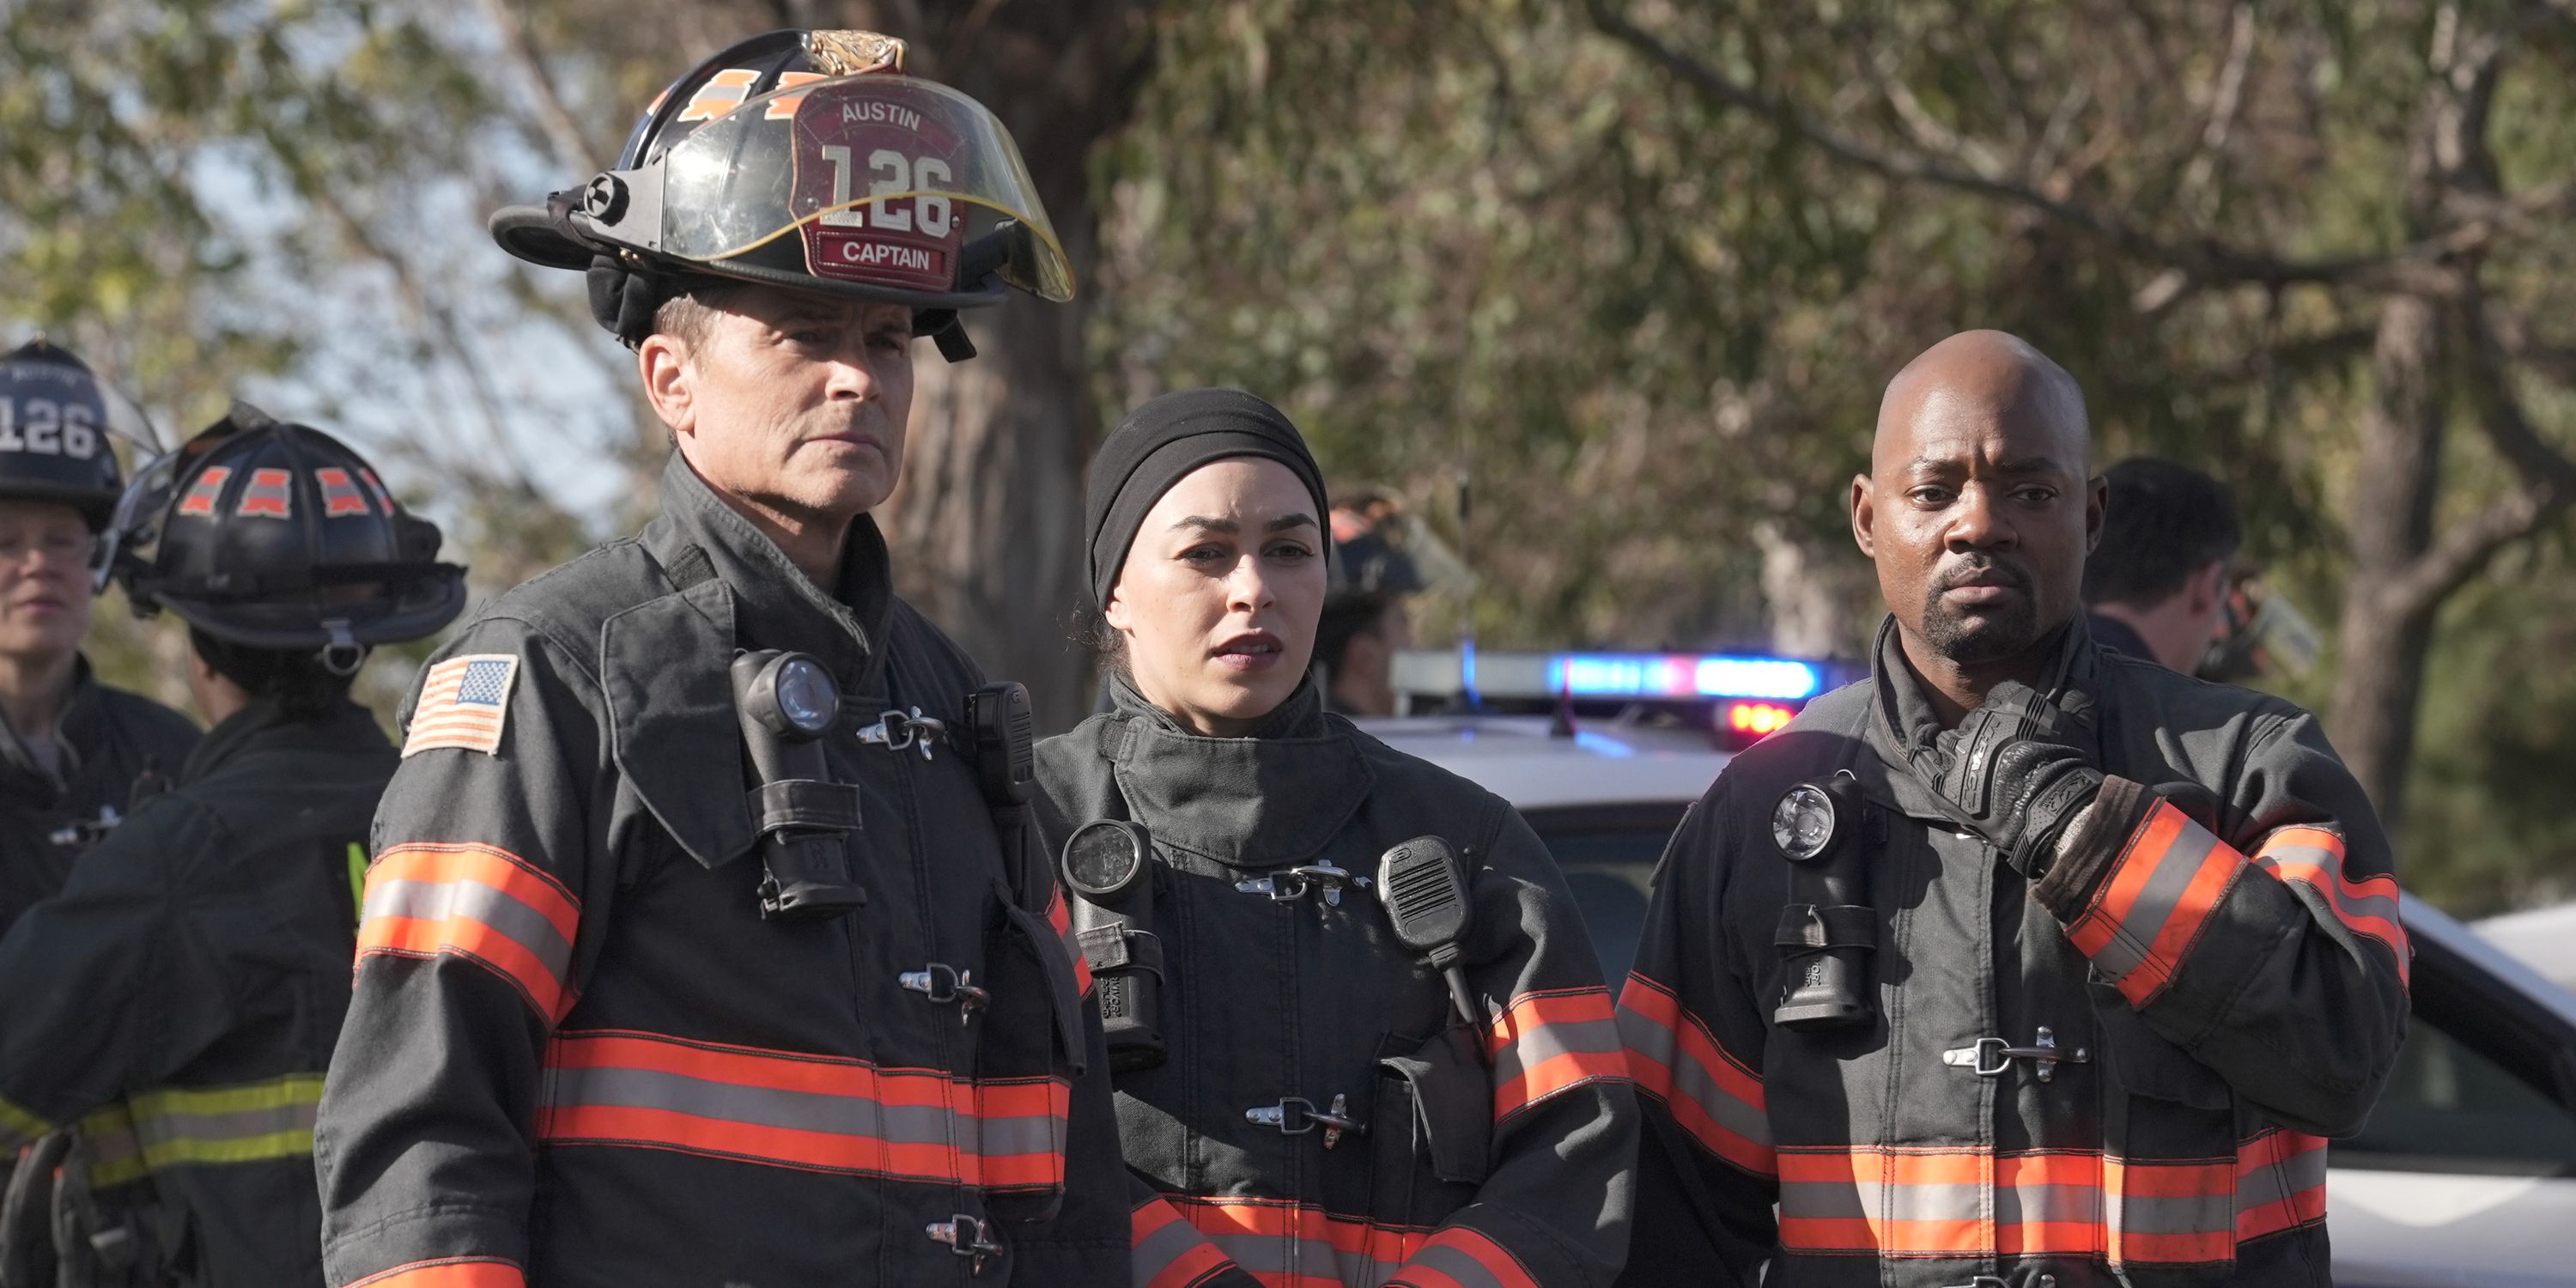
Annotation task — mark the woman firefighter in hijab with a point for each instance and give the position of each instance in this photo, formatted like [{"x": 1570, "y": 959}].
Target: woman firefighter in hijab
[{"x": 1361, "y": 1037}]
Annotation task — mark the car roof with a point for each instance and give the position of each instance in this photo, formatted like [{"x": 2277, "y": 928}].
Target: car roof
[
  {"x": 1524, "y": 760},
  {"x": 2543, "y": 937},
  {"x": 1527, "y": 761}
]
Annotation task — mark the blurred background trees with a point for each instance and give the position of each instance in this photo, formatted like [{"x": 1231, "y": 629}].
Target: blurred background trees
[{"x": 1635, "y": 268}]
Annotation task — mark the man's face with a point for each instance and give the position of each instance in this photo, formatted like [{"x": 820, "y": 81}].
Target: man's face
[
  {"x": 1978, "y": 514},
  {"x": 793, "y": 401},
  {"x": 44, "y": 580}
]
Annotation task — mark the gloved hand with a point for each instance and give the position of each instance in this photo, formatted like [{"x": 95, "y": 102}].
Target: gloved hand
[{"x": 2018, "y": 770}]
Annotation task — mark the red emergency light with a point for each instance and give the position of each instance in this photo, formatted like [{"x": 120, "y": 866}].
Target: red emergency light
[{"x": 1755, "y": 719}]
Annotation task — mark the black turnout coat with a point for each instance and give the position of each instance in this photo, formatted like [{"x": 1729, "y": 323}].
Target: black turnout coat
[
  {"x": 1491, "y": 1157},
  {"x": 2213, "y": 964},
  {"x": 579, "y": 1056}
]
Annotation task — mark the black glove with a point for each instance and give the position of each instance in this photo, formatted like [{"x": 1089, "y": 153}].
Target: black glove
[{"x": 2017, "y": 771}]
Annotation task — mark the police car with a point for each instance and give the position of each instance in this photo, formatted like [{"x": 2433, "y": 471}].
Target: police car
[{"x": 2466, "y": 1174}]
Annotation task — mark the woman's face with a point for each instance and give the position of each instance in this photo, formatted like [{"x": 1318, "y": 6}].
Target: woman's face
[{"x": 1220, "y": 594}]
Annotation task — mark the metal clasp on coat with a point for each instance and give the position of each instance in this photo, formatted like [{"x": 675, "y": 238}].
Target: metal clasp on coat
[
  {"x": 969, "y": 1237},
  {"x": 945, "y": 984},
  {"x": 900, "y": 730},
  {"x": 87, "y": 831},
  {"x": 1296, "y": 1116},
  {"x": 1991, "y": 1056},
  {"x": 1292, "y": 885}
]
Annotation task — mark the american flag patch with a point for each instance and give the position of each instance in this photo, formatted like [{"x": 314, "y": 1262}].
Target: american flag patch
[{"x": 464, "y": 704}]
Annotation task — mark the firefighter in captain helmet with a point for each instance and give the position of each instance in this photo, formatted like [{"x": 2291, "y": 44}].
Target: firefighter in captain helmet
[
  {"x": 170, "y": 1010},
  {"x": 71, "y": 749},
  {"x": 600, "y": 1037}
]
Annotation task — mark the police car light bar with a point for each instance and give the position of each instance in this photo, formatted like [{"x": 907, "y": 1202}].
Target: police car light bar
[
  {"x": 1681, "y": 675},
  {"x": 1636, "y": 676}
]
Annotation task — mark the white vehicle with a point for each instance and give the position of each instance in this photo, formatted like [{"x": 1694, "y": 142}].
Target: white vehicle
[
  {"x": 2466, "y": 1174},
  {"x": 2541, "y": 938}
]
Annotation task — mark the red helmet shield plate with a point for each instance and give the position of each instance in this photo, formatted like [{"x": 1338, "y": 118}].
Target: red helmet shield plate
[{"x": 887, "y": 145}]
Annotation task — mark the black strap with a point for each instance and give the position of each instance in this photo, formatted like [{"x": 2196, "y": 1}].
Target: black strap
[
  {"x": 805, "y": 805},
  {"x": 1805, "y": 927},
  {"x": 1115, "y": 947},
  {"x": 691, "y": 569}
]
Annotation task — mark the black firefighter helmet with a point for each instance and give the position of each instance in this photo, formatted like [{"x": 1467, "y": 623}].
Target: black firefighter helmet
[
  {"x": 806, "y": 160},
  {"x": 276, "y": 536},
  {"x": 55, "y": 421}
]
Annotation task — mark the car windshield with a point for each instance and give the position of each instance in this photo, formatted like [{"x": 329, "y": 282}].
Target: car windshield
[{"x": 1608, "y": 854}]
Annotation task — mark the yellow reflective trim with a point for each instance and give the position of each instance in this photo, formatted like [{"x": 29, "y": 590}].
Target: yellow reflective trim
[
  {"x": 18, "y": 1126},
  {"x": 358, "y": 878},
  {"x": 277, "y": 1093},
  {"x": 178, "y": 1126}
]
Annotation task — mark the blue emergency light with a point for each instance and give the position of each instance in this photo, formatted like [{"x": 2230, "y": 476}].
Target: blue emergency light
[{"x": 1681, "y": 675}]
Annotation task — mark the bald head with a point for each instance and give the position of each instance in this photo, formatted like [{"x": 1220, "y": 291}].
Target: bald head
[
  {"x": 1991, "y": 374},
  {"x": 1979, "y": 505}
]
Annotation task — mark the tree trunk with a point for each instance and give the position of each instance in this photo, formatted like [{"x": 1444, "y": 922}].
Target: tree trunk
[
  {"x": 2381, "y": 674},
  {"x": 986, "y": 527}
]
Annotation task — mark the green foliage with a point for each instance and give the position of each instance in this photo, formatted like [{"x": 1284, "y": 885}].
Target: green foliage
[
  {"x": 1484, "y": 240},
  {"x": 1456, "y": 240}
]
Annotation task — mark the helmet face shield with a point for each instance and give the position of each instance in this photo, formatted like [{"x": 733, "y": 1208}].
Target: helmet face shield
[{"x": 885, "y": 183}]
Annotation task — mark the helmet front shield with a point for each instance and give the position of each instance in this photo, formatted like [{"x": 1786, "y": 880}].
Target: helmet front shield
[{"x": 888, "y": 183}]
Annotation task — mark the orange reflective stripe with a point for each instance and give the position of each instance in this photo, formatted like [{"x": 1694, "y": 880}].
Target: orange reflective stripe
[
  {"x": 476, "y": 902},
  {"x": 1059, "y": 917},
  {"x": 783, "y": 107},
  {"x": 1930, "y": 1202},
  {"x": 2280, "y": 1183},
  {"x": 722, "y": 93},
  {"x": 2315, "y": 857},
  {"x": 791, "y": 1109},
  {"x": 2151, "y": 907},
  {"x": 1546, "y": 1043},
  {"x": 452, "y": 1272},
  {"x": 1460, "y": 1257},
  {"x": 1713, "y": 1097},
  {"x": 1293, "y": 1245},
  {"x": 1166, "y": 1252}
]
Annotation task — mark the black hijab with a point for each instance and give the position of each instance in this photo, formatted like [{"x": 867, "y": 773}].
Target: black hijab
[{"x": 1159, "y": 444}]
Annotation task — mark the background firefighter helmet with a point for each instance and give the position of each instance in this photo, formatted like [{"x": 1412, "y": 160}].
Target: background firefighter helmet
[
  {"x": 276, "y": 536},
  {"x": 804, "y": 159},
  {"x": 54, "y": 423}
]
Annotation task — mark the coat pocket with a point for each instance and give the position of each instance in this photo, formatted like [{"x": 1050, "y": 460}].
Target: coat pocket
[
  {"x": 1030, "y": 1051},
  {"x": 1432, "y": 1137}
]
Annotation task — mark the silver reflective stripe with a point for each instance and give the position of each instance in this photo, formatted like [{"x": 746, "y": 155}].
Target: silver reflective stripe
[
  {"x": 167, "y": 1129},
  {"x": 2331, "y": 863},
  {"x": 2177, "y": 1213},
  {"x": 1643, "y": 1035},
  {"x": 1540, "y": 1043},
  {"x": 2166, "y": 885},
  {"x": 852, "y": 1113},
  {"x": 842, "y": 1115},
  {"x": 1157, "y": 1251},
  {"x": 472, "y": 901},
  {"x": 1469, "y": 1272},
  {"x": 2274, "y": 1182}
]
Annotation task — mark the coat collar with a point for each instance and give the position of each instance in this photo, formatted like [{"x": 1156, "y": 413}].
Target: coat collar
[
  {"x": 264, "y": 726},
  {"x": 1274, "y": 798},
  {"x": 79, "y": 732},
  {"x": 1903, "y": 725},
  {"x": 775, "y": 604}
]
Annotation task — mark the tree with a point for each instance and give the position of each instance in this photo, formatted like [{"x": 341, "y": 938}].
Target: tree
[{"x": 2203, "y": 205}]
